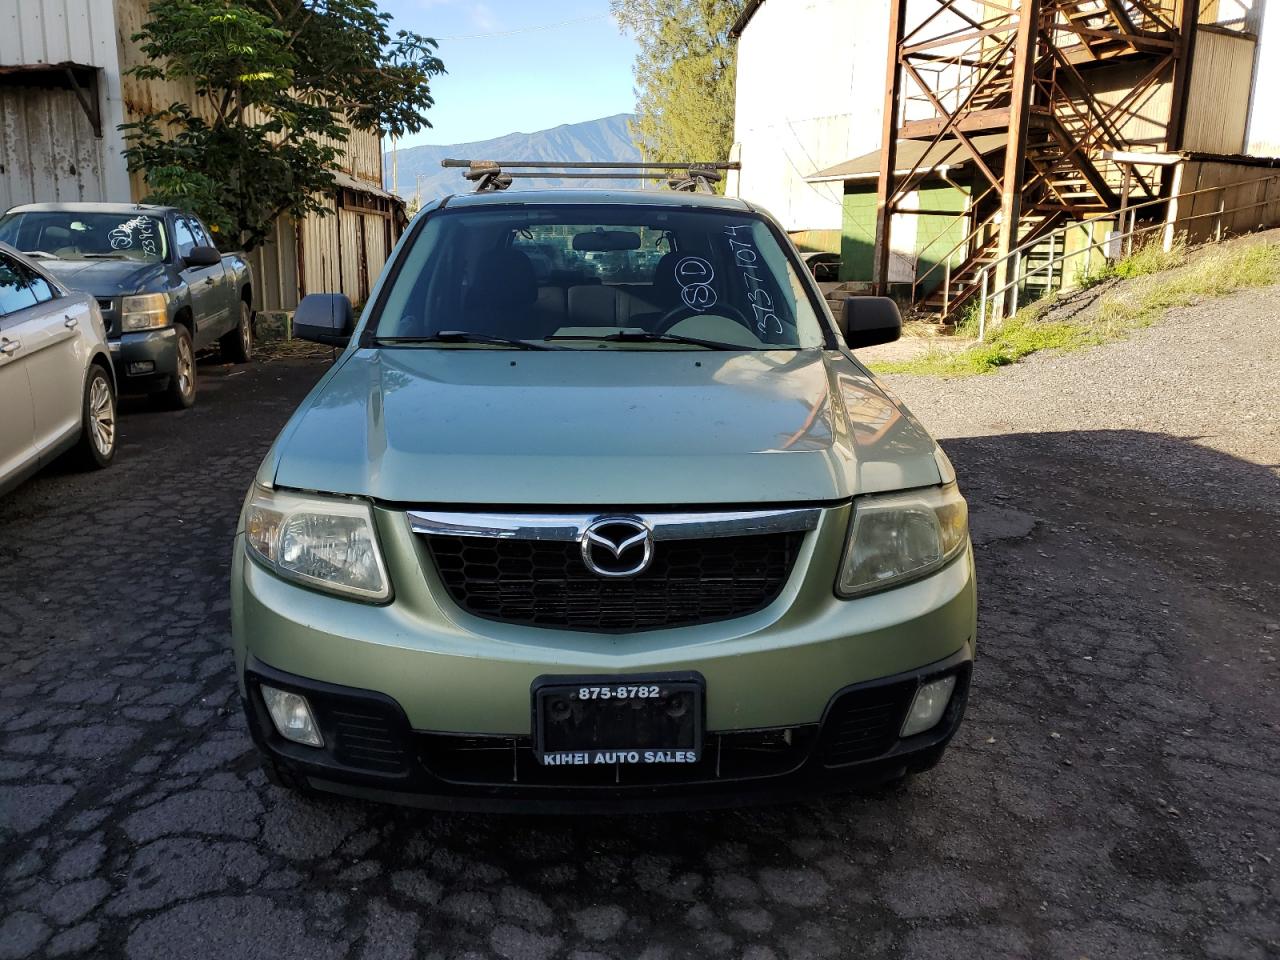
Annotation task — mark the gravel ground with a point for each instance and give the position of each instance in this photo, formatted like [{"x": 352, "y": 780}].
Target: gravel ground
[
  {"x": 1208, "y": 377},
  {"x": 910, "y": 347},
  {"x": 1114, "y": 792}
]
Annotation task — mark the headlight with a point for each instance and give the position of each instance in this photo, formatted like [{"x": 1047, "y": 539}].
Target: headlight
[
  {"x": 147, "y": 311},
  {"x": 901, "y": 537},
  {"x": 324, "y": 542}
]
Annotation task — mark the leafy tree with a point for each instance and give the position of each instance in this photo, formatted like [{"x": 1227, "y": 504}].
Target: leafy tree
[
  {"x": 684, "y": 76},
  {"x": 275, "y": 82}
]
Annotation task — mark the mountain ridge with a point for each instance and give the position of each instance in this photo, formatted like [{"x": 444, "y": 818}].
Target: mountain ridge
[{"x": 603, "y": 139}]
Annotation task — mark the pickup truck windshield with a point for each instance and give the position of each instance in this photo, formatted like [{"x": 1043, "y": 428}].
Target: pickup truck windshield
[
  {"x": 629, "y": 276},
  {"x": 69, "y": 235}
]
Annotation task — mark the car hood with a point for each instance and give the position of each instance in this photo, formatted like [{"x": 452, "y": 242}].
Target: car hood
[
  {"x": 606, "y": 427},
  {"x": 107, "y": 278}
]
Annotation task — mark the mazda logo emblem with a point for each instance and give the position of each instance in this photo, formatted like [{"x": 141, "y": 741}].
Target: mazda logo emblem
[{"x": 617, "y": 546}]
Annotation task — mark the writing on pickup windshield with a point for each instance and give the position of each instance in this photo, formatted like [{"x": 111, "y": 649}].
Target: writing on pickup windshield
[
  {"x": 694, "y": 276},
  {"x": 136, "y": 233},
  {"x": 745, "y": 258}
]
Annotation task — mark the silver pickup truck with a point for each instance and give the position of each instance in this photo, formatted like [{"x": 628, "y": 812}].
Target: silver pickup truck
[{"x": 164, "y": 289}]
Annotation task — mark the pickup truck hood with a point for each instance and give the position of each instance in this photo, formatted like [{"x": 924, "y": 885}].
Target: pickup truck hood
[
  {"x": 107, "y": 278},
  {"x": 600, "y": 427}
]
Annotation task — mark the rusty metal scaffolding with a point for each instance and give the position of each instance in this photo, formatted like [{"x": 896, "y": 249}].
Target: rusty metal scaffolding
[{"x": 1062, "y": 79}]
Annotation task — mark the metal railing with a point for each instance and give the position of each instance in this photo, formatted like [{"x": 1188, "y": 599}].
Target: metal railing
[
  {"x": 968, "y": 242},
  {"x": 993, "y": 300}
]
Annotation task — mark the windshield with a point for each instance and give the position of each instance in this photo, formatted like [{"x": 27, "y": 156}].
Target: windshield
[
  {"x": 68, "y": 235},
  {"x": 630, "y": 277}
]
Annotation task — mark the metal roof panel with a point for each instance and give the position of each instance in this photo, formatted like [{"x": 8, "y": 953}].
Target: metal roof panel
[{"x": 946, "y": 153}]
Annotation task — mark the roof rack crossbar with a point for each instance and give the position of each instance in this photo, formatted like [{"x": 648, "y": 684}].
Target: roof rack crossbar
[
  {"x": 491, "y": 175},
  {"x": 597, "y": 175},
  {"x": 602, "y": 164}
]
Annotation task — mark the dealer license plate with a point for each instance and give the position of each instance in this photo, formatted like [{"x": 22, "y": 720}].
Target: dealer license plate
[{"x": 634, "y": 720}]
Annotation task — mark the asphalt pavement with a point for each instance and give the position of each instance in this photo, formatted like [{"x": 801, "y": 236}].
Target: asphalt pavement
[{"x": 1115, "y": 791}]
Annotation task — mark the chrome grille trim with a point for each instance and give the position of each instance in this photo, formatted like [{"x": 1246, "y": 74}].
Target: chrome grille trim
[{"x": 572, "y": 526}]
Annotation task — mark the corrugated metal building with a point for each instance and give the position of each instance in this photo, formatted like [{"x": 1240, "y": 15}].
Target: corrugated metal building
[
  {"x": 63, "y": 95},
  {"x": 811, "y": 90},
  {"x": 60, "y": 102},
  {"x": 811, "y": 79}
]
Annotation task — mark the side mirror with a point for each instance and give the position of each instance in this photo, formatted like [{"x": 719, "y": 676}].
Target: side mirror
[
  {"x": 203, "y": 257},
  {"x": 324, "y": 318},
  {"x": 868, "y": 321}
]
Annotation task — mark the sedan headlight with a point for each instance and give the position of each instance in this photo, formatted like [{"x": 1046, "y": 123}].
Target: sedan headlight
[
  {"x": 146, "y": 311},
  {"x": 901, "y": 537},
  {"x": 323, "y": 542}
]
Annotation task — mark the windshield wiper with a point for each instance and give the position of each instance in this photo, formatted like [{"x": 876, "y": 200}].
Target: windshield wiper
[
  {"x": 462, "y": 336},
  {"x": 645, "y": 336},
  {"x": 103, "y": 256},
  {"x": 39, "y": 254}
]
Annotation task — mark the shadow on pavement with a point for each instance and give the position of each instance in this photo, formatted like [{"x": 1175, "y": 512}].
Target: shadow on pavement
[{"x": 1112, "y": 793}]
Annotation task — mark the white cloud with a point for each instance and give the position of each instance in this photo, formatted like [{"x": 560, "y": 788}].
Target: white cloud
[{"x": 483, "y": 17}]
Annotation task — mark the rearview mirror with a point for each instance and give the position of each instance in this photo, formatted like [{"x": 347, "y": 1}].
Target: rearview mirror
[
  {"x": 203, "y": 256},
  {"x": 606, "y": 240},
  {"x": 324, "y": 318},
  {"x": 868, "y": 321}
]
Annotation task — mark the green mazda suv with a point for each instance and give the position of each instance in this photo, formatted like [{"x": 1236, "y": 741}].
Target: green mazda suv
[{"x": 597, "y": 511}]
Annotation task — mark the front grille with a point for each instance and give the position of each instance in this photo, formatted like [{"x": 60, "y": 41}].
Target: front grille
[
  {"x": 109, "y": 318},
  {"x": 863, "y": 724},
  {"x": 545, "y": 583}
]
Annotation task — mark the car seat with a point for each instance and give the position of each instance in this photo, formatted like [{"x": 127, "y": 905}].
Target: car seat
[
  {"x": 663, "y": 294},
  {"x": 502, "y": 297}
]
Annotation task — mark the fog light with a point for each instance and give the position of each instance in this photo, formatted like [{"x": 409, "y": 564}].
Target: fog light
[
  {"x": 139, "y": 367},
  {"x": 929, "y": 705},
  {"x": 291, "y": 714}
]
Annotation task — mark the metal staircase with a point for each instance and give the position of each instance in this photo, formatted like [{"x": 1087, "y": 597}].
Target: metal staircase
[{"x": 1035, "y": 70}]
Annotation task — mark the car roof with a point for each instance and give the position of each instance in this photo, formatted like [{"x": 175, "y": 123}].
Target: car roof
[
  {"x": 92, "y": 207},
  {"x": 561, "y": 197},
  {"x": 19, "y": 255},
  {"x": 31, "y": 263}
]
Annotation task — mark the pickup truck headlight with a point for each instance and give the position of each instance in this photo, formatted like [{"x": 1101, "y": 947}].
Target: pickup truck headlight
[
  {"x": 901, "y": 537},
  {"x": 323, "y": 542},
  {"x": 146, "y": 311}
]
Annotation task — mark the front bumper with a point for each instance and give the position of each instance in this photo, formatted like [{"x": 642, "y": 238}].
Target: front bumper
[
  {"x": 454, "y": 690},
  {"x": 145, "y": 360},
  {"x": 372, "y": 752}
]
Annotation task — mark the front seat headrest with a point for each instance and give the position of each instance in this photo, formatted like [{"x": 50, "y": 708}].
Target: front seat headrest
[
  {"x": 666, "y": 288},
  {"x": 505, "y": 278}
]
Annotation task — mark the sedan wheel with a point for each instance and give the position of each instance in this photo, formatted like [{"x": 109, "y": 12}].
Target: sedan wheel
[
  {"x": 102, "y": 416},
  {"x": 97, "y": 445}
]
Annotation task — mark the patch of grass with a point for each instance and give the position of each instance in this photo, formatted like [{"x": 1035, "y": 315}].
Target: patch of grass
[
  {"x": 1020, "y": 335},
  {"x": 1129, "y": 306},
  {"x": 1215, "y": 274},
  {"x": 1150, "y": 257},
  {"x": 967, "y": 325}
]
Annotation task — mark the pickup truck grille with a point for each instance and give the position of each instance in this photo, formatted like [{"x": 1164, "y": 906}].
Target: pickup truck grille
[
  {"x": 543, "y": 583},
  {"x": 110, "y": 316}
]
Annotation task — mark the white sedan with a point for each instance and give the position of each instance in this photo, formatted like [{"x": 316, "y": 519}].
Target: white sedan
[{"x": 57, "y": 388}]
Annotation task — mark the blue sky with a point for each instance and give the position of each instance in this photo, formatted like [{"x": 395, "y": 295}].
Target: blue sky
[{"x": 519, "y": 66}]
